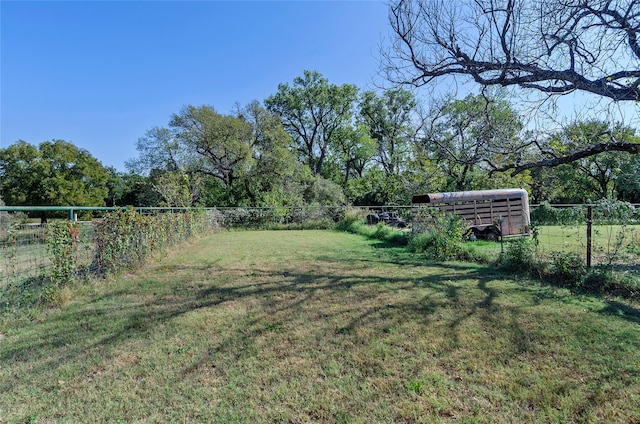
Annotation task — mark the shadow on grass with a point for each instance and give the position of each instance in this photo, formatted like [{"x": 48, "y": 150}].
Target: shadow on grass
[
  {"x": 78, "y": 333},
  {"x": 622, "y": 311}
]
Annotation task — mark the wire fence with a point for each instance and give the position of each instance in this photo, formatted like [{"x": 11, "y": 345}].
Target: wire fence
[
  {"x": 611, "y": 237},
  {"x": 603, "y": 234}
]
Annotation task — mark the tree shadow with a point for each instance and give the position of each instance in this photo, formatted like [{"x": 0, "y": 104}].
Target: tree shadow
[
  {"x": 621, "y": 310},
  {"x": 94, "y": 332}
]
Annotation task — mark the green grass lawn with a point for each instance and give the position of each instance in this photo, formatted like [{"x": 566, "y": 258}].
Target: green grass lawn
[{"x": 318, "y": 326}]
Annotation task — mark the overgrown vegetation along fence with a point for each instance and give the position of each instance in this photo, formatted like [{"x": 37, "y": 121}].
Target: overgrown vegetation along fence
[
  {"x": 37, "y": 258},
  {"x": 601, "y": 234},
  {"x": 116, "y": 238},
  {"x": 35, "y": 255}
]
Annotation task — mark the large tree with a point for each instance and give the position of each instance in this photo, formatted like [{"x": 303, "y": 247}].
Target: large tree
[
  {"x": 222, "y": 141},
  {"x": 55, "y": 173},
  {"x": 389, "y": 118},
  {"x": 589, "y": 178},
  {"x": 274, "y": 176},
  {"x": 312, "y": 111},
  {"x": 552, "y": 47},
  {"x": 245, "y": 158},
  {"x": 465, "y": 136}
]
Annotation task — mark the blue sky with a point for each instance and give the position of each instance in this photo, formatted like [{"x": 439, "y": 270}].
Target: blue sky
[{"x": 100, "y": 74}]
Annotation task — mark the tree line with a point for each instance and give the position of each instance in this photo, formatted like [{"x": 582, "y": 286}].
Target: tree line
[{"x": 317, "y": 143}]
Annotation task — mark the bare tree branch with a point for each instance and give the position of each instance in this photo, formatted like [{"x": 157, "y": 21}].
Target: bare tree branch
[
  {"x": 555, "y": 47},
  {"x": 614, "y": 146}
]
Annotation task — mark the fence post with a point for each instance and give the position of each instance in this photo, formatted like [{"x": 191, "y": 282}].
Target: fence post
[{"x": 589, "y": 228}]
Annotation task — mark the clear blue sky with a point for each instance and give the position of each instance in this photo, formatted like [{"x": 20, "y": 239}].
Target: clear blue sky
[{"x": 101, "y": 73}]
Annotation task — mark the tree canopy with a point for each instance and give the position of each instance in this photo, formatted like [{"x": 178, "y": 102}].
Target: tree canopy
[
  {"x": 53, "y": 173},
  {"x": 312, "y": 110}
]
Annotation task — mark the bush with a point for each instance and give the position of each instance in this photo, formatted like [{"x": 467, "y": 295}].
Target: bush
[
  {"x": 440, "y": 235},
  {"x": 545, "y": 214},
  {"x": 473, "y": 252},
  {"x": 520, "y": 254},
  {"x": 613, "y": 212},
  {"x": 351, "y": 220},
  {"x": 569, "y": 267},
  {"x": 603, "y": 280}
]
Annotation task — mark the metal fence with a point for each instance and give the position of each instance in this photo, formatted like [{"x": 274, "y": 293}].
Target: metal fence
[
  {"x": 604, "y": 234},
  {"x": 611, "y": 236}
]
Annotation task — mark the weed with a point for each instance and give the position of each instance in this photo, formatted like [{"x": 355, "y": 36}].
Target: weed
[
  {"x": 440, "y": 235},
  {"x": 569, "y": 267}
]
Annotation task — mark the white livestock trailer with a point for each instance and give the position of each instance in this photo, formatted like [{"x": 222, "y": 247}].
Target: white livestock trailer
[{"x": 489, "y": 213}]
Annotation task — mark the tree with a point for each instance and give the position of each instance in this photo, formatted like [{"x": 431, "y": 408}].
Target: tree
[
  {"x": 589, "y": 178},
  {"x": 223, "y": 142},
  {"x": 275, "y": 170},
  {"x": 465, "y": 136},
  {"x": 161, "y": 150},
  {"x": 353, "y": 149},
  {"x": 178, "y": 189},
  {"x": 312, "y": 110},
  {"x": 627, "y": 185},
  {"x": 389, "y": 119},
  {"x": 56, "y": 173},
  {"x": 603, "y": 169},
  {"x": 203, "y": 156},
  {"x": 131, "y": 189},
  {"x": 552, "y": 47}
]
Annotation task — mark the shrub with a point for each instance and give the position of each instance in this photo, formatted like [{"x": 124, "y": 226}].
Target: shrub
[
  {"x": 604, "y": 280},
  {"x": 473, "y": 252},
  {"x": 545, "y": 214},
  {"x": 351, "y": 220},
  {"x": 520, "y": 254},
  {"x": 613, "y": 212},
  {"x": 569, "y": 267},
  {"x": 440, "y": 235}
]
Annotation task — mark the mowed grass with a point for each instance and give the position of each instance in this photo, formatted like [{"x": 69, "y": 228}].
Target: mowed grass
[{"x": 318, "y": 326}]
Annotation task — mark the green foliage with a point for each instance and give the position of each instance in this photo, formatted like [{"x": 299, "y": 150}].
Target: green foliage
[
  {"x": 569, "y": 267},
  {"x": 440, "y": 235},
  {"x": 312, "y": 112},
  {"x": 520, "y": 254},
  {"x": 178, "y": 189},
  {"x": 545, "y": 214},
  {"x": 474, "y": 251},
  {"x": 610, "y": 211},
  {"x": 351, "y": 220},
  {"x": 62, "y": 242},
  {"x": 124, "y": 238},
  {"x": 388, "y": 117},
  {"x": 322, "y": 192},
  {"x": 603, "y": 280},
  {"x": 54, "y": 173},
  {"x": 465, "y": 133}
]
